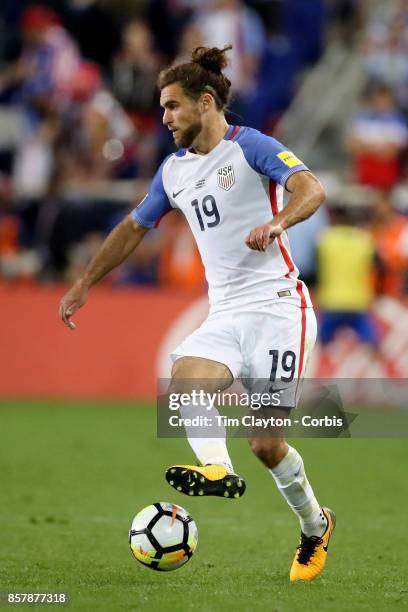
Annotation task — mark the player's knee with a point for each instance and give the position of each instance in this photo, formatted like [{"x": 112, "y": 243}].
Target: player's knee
[
  {"x": 260, "y": 447},
  {"x": 268, "y": 450},
  {"x": 193, "y": 374},
  {"x": 181, "y": 368}
]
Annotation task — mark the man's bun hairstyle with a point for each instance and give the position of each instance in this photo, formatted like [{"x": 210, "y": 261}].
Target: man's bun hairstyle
[
  {"x": 211, "y": 59},
  {"x": 204, "y": 73}
]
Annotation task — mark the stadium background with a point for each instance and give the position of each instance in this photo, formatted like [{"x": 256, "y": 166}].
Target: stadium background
[{"x": 80, "y": 137}]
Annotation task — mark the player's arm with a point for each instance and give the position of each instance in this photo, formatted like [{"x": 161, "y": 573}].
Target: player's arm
[
  {"x": 307, "y": 194},
  {"x": 120, "y": 243},
  {"x": 271, "y": 159},
  {"x": 117, "y": 247}
]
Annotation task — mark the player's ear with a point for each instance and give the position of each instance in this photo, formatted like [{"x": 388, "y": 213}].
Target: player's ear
[{"x": 205, "y": 102}]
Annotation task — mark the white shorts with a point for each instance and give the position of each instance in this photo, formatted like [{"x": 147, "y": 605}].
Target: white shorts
[{"x": 261, "y": 347}]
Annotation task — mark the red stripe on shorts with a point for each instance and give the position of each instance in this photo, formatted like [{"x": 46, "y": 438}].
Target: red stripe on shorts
[{"x": 299, "y": 289}]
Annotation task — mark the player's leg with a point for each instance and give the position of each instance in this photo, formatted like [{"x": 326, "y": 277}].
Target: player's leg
[
  {"x": 279, "y": 360},
  {"x": 287, "y": 469},
  {"x": 194, "y": 373},
  {"x": 216, "y": 475}
]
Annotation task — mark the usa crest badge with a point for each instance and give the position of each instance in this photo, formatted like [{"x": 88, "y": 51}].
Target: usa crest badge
[{"x": 226, "y": 177}]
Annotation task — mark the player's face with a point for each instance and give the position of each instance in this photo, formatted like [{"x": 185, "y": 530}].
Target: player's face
[{"x": 181, "y": 115}]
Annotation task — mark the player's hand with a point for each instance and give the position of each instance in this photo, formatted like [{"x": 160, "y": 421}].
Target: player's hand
[
  {"x": 71, "y": 302},
  {"x": 262, "y": 236}
]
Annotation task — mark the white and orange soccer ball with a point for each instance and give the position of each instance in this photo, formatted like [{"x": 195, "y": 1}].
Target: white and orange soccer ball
[{"x": 163, "y": 536}]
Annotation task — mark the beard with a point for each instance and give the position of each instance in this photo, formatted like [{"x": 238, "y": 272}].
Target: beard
[{"x": 185, "y": 138}]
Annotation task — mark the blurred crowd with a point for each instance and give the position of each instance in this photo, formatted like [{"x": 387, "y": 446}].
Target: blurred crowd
[
  {"x": 376, "y": 143},
  {"x": 80, "y": 124},
  {"x": 361, "y": 250},
  {"x": 81, "y": 134}
]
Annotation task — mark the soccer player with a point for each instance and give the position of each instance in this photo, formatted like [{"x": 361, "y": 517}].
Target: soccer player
[{"x": 230, "y": 182}]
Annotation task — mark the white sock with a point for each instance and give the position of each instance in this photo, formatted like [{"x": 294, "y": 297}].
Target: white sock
[
  {"x": 292, "y": 482},
  {"x": 212, "y": 448}
]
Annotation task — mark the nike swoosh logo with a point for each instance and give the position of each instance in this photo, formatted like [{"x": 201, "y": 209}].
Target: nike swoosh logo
[
  {"x": 325, "y": 547},
  {"x": 178, "y": 193},
  {"x": 297, "y": 473}
]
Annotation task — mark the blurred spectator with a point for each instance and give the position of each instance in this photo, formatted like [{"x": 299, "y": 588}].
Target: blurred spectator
[
  {"x": 136, "y": 68},
  {"x": 345, "y": 280},
  {"x": 134, "y": 85},
  {"x": 41, "y": 74},
  {"x": 15, "y": 263},
  {"x": 377, "y": 137},
  {"x": 224, "y": 22},
  {"x": 97, "y": 137},
  {"x": 191, "y": 38},
  {"x": 8, "y": 222},
  {"x": 386, "y": 53},
  {"x": 48, "y": 59},
  {"x": 47, "y": 64},
  {"x": 390, "y": 234}
]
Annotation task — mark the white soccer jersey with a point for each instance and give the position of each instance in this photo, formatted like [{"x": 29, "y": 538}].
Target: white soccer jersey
[{"x": 225, "y": 194}]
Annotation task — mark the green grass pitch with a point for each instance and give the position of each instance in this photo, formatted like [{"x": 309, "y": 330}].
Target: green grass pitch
[{"x": 72, "y": 476}]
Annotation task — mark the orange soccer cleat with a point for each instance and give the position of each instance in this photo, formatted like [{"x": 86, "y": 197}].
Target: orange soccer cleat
[{"x": 311, "y": 553}]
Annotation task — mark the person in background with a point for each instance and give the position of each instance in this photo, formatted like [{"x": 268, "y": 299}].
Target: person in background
[
  {"x": 390, "y": 234},
  {"x": 136, "y": 68},
  {"x": 40, "y": 76},
  {"x": 385, "y": 51},
  {"x": 345, "y": 288},
  {"x": 16, "y": 264},
  {"x": 191, "y": 38},
  {"x": 135, "y": 72},
  {"x": 9, "y": 229},
  {"x": 97, "y": 139},
  {"x": 47, "y": 63},
  {"x": 230, "y": 21},
  {"x": 48, "y": 56},
  {"x": 377, "y": 137}
]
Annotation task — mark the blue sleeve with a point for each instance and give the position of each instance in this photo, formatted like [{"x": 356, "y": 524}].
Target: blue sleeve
[
  {"x": 267, "y": 156},
  {"x": 156, "y": 203}
]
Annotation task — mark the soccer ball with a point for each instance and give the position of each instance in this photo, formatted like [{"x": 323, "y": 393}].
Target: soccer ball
[{"x": 163, "y": 536}]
